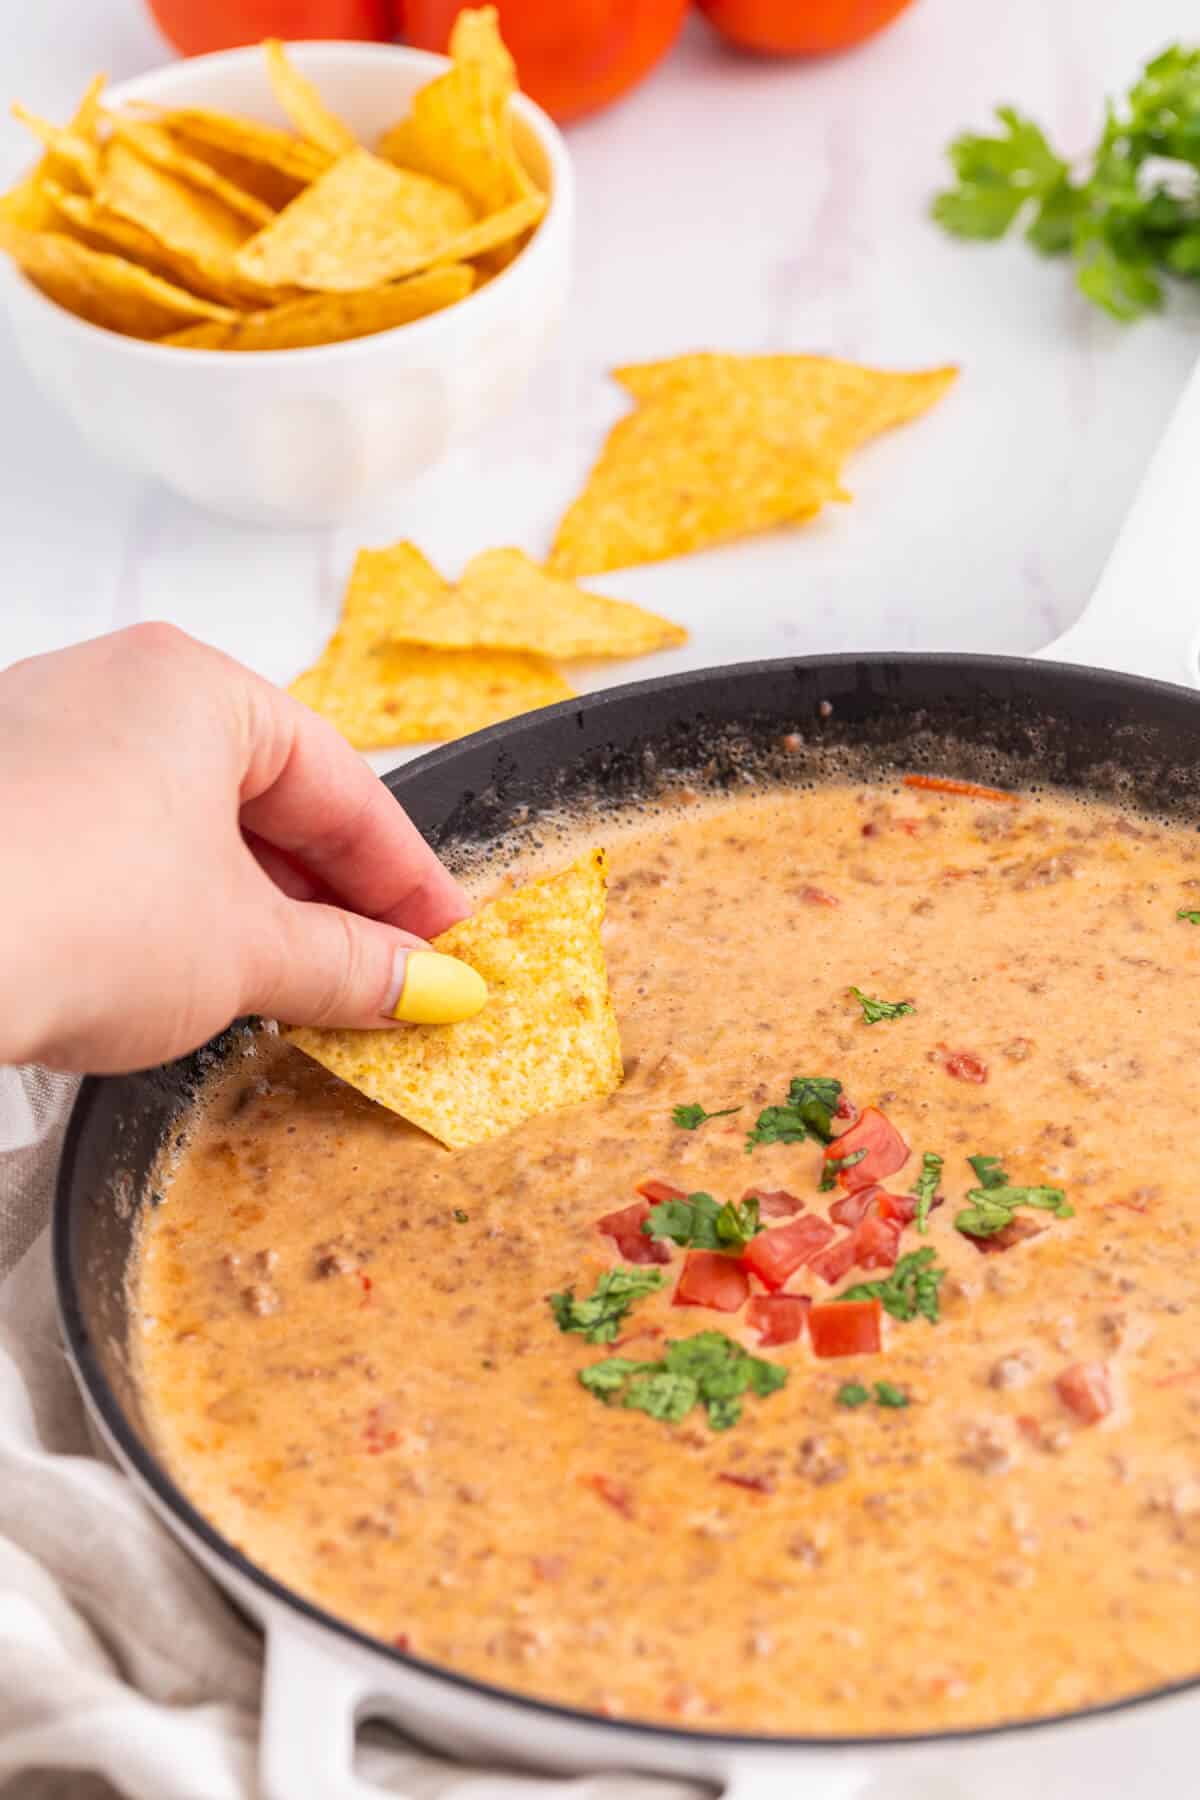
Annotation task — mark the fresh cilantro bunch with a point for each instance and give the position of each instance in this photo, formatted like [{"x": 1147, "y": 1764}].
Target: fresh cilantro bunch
[
  {"x": 1128, "y": 217},
  {"x": 708, "y": 1370}
]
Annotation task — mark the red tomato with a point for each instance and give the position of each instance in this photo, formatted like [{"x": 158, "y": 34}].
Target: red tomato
[
  {"x": 835, "y": 1262},
  {"x": 799, "y": 27},
  {"x": 964, "y": 1065},
  {"x": 711, "y": 1279},
  {"x": 775, "y": 1255},
  {"x": 877, "y": 1243},
  {"x": 886, "y": 1150},
  {"x": 1087, "y": 1389},
  {"x": 657, "y": 1191},
  {"x": 853, "y": 1208},
  {"x": 777, "y": 1318},
  {"x": 778, "y": 1204},
  {"x": 625, "y": 1229},
  {"x": 572, "y": 55},
  {"x": 197, "y": 26},
  {"x": 845, "y": 1327}
]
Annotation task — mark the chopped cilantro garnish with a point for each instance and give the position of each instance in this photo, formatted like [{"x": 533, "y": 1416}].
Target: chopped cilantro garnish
[
  {"x": 807, "y": 1112},
  {"x": 709, "y": 1370},
  {"x": 874, "y": 1010},
  {"x": 833, "y": 1168},
  {"x": 887, "y": 1394},
  {"x": 460, "y": 1217},
  {"x": 910, "y": 1289},
  {"x": 926, "y": 1186},
  {"x": 1190, "y": 914},
  {"x": 852, "y": 1393},
  {"x": 995, "y": 1201},
  {"x": 689, "y": 1118},
  {"x": 699, "y": 1223},
  {"x": 599, "y": 1318}
]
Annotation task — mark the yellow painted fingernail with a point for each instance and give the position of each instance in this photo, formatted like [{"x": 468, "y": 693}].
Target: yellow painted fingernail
[{"x": 438, "y": 990}]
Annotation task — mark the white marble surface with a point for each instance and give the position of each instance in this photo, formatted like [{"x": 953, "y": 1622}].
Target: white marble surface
[{"x": 728, "y": 204}]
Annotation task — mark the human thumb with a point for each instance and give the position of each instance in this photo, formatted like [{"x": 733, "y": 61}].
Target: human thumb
[{"x": 324, "y": 966}]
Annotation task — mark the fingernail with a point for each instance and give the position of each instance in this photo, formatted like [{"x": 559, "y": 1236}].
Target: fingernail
[{"x": 434, "y": 989}]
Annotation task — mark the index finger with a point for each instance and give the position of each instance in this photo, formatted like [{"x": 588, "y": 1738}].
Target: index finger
[{"x": 307, "y": 792}]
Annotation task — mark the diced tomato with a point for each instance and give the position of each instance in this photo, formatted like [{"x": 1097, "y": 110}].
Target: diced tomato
[
  {"x": 964, "y": 1065},
  {"x": 711, "y": 1279},
  {"x": 775, "y": 1255},
  {"x": 816, "y": 896},
  {"x": 616, "y": 1493},
  {"x": 851, "y": 1209},
  {"x": 657, "y": 1191},
  {"x": 778, "y": 1204},
  {"x": 1013, "y": 1233},
  {"x": 886, "y": 1150},
  {"x": 1087, "y": 1389},
  {"x": 754, "y": 1484},
  {"x": 877, "y": 1243},
  {"x": 777, "y": 1318},
  {"x": 970, "y": 790},
  {"x": 845, "y": 1327},
  {"x": 901, "y": 1207},
  {"x": 845, "y": 1108},
  {"x": 835, "y": 1262},
  {"x": 625, "y": 1229}
]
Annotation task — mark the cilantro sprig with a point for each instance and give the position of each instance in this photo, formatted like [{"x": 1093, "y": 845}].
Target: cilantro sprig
[
  {"x": 702, "y": 1223},
  {"x": 909, "y": 1292},
  {"x": 599, "y": 1318},
  {"x": 875, "y": 1010},
  {"x": 707, "y": 1370},
  {"x": 1128, "y": 217},
  {"x": 808, "y": 1112},
  {"x": 926, "y": 1186},
  {"x": 693, "y": 1115},
  {"x": 995, "y": 1201},
  {"x": 853, "y": 1394},
  {"x": 833, "y": 1167},
  {"x": 1191, "y": 914}
]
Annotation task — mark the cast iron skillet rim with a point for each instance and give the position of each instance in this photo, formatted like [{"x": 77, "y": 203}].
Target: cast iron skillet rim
[{"x": 138, "y": 1454}]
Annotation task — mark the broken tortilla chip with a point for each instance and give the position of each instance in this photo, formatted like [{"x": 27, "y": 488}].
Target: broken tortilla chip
[
  {"x": 187, "y": 223},
  {"x": 723, "y": 446},
  {"x": 304, "y": 105},
  {"x": 105, "y": 290},
  {"x": 407, "y": 694},
  {"x": 546, "y": 1039},
  {"x": 333, "y": 318},
  {"x": 459, "y": 129},
  {"x": 504, "y": 601},
  {"x": 359, "y": 225}
]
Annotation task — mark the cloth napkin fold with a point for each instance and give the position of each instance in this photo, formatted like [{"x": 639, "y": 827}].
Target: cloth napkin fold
[{"x": 123, "y": 1670}]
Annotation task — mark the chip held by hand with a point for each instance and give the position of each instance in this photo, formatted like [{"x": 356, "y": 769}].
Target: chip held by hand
[{"x": 547, "y": 1037}]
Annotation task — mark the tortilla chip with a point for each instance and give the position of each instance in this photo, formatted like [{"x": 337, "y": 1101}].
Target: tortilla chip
[
  {"x": 270, "y": 186},
  {"x": 407, "y": 694},
  {"x": 29, "y": 206},
  {"x": 105, "y": 290},
  {"x": 459, "y": 129},
  {"x": 249, "y": 139},
  {"x": 359, "y": 225},
  {"x": 107, "y": 231},
  {"x": 304, "y": 105},
  {"x": 504, "y": 601},
  {"x": 723, "y": 446},
  {"x": 185, "y": 222},
  {"x": 154, "y": 145},
  {"x": 333, "y": 318},
  {"x": 498, "y": 231},
  {"x": 73, "y": 151},
  {"x": 856, "y": 403},
  {"x": 546, "y": 1039}
]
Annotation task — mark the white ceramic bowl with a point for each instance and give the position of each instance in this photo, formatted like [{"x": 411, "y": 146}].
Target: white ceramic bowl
[{"x": 309, "y": 437}]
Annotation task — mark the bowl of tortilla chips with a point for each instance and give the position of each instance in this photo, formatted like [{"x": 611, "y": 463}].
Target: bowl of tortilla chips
[{"x": 287, "y": 281}]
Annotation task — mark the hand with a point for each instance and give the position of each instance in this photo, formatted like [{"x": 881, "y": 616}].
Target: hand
[{"x": 183, "y": 843}]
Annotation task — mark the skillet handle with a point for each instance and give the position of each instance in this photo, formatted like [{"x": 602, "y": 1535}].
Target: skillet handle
[
  {"x": 1144, "y": 617},
  {"x": 310, "y": 1706}
]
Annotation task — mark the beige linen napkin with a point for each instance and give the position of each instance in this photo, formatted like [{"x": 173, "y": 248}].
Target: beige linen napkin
[{"x": 122, "y": 1669}]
